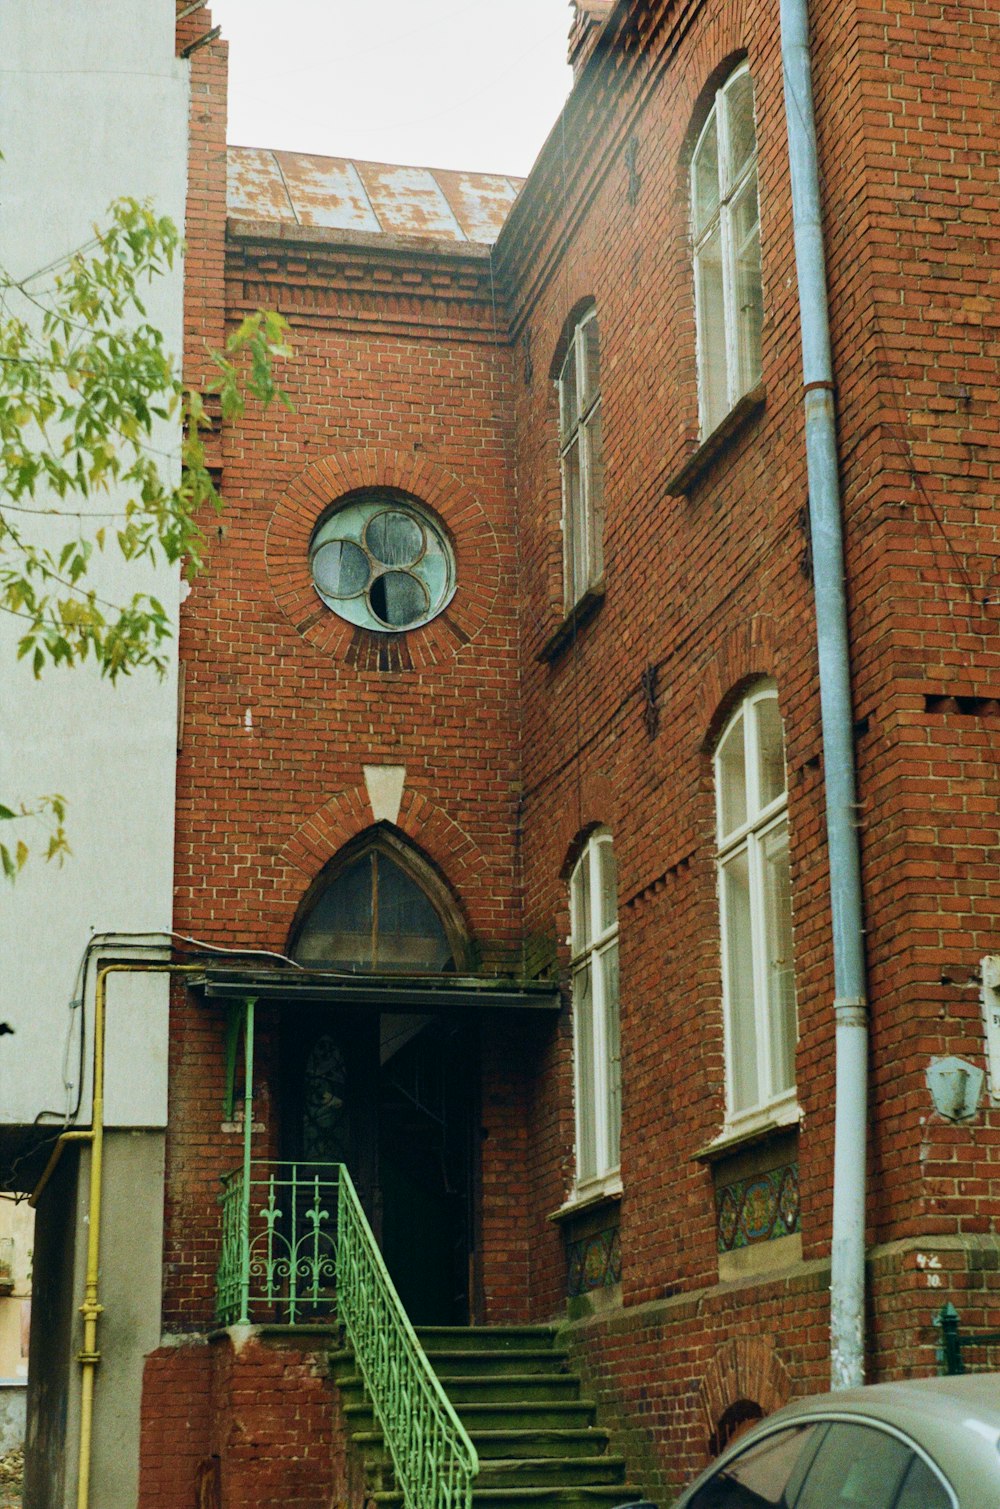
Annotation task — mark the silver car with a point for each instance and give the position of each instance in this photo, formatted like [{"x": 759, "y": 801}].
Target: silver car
[{"x": 932, "y": 1443}]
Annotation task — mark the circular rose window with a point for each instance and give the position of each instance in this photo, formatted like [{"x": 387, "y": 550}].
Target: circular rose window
[{"x": 382, "y": 563}]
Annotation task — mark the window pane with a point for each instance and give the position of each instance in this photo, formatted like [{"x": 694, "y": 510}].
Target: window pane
[
  {"x": 739, "y": 981},
  {"x": 574, "y": 534},
  {"x": 923, "y": 1489},
  {"x": 856, "y": 1467},
  {"x": 742, "y": 140},
  {"x": 409, "y": 933},
  {"x": 609, "y": 885},
  {"x": 780, "y": 964},
  {"x": 757, "y": 1478},
  {"x": 374, "y": 916},
  {"x": 583, "y": 1030},
  {"x": 338, "y": 930},
  {"x": 568, "y": 406},
  {"x": 580, "y": 904},
  {"x": 595, "y": 497},
  {"x": 609, "y": 969},
  {"x": 749, "y": 295},
  {"x": 770, "y": 750},
  {"x": 325, "y": 1117},
  {"x": 591, "y": 375},
  {"x": 713, "y": 386},
  {"x": 705, "y": 177},
  {"x": 395, "y": 539},
  {"x": 398, "y": 599},
  {"x": 731, "y": 778},
  {"x": 340, "y": 569}
]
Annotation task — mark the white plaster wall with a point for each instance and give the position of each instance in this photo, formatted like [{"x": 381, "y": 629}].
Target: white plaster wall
[{"x": 93, "y": 105}]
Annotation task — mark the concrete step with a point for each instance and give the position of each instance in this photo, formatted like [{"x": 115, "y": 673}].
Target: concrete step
[
  {"x": 554, "y": 1497},
  {"x": 507, "y": 1444},
  {"x": 463, "y": 1362},
  {"x": 485, "y": 1338},
  {"x": 547, "y": 1415},
  {"x": 521, "y": 1472},
  {"x": 544, "y": 1472},
  {"x": 512, "y": 1389}
]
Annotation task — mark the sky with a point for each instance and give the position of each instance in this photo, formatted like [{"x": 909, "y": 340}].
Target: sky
[{"x": 469, "y": 84}]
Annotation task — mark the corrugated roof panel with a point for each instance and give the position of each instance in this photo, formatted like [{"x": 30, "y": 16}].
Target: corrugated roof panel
[
  {"x": 409, "y": 202},
  {"x": 327, "y": 191},
  {"x": 379, "y": 198},
  {"x": 481, "y": 201},
  {"x": 255, "y": 189}
]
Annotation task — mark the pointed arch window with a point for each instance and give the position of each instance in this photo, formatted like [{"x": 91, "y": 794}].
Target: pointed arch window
[{"x": 376, "y": 915}]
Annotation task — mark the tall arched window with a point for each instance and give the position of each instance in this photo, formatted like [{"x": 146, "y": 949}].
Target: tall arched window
[
  {"x": 582, "y": 453},
  {"x": 726, "y": 226},
  {"x": 755, "y": 898},
  {"x": 382, "y": 911},
  {"x": 593, "y": 895}
]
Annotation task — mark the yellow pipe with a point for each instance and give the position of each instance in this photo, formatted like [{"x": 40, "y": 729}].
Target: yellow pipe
[{"x": 89, "y": 1355}]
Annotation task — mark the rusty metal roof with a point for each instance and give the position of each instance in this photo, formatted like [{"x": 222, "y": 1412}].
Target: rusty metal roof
[{"x": 296, "y": 188}]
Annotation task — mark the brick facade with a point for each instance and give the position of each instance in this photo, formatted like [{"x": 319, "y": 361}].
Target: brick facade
[{"x": 429, "y": 368}]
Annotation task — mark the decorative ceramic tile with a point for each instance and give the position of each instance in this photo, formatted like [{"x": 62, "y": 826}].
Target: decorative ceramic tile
[
  {"x": 758, "y": 1209},
  {"x": 595, "y": 1262}
]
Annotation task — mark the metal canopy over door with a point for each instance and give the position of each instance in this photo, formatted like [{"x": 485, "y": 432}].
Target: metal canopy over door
[{"x": 381, "y": 1073}]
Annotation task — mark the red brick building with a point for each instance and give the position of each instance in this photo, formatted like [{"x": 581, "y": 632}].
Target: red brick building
[{"x": 501, "y": 714}]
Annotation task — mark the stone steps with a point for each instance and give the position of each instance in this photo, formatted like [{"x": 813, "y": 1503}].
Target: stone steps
[{"x": 513, "y": 1390}]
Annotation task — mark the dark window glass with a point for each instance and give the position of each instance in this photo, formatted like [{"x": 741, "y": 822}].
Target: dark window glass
[
  {"x": 325, "y": 1120},
  {"x": 373, "y": 916},
  {"x": 757, "y": 1478},
  {"x": 856, "y": 1467},
  {"x": 923, "y": 1489},
  {"x": 382, "y": 567}
]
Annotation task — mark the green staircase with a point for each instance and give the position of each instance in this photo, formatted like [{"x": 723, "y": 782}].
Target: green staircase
[{"x": 537, "y": 1442}]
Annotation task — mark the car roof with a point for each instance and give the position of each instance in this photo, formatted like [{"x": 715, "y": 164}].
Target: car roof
[
  {"x": 956, "y": 1421},
  {"x": 942, "y": 1402}
]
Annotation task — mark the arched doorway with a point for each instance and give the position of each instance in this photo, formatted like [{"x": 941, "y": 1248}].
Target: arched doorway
[{"x": 388, "y": 1091}]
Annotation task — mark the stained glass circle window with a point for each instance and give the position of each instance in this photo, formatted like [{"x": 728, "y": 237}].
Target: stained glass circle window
[{"x": 383, "y": 563}]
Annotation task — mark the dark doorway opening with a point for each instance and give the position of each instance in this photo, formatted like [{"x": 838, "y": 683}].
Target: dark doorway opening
[
  {"x": 426, "y": 1116},
  {"x": 394, "y": 1098}
]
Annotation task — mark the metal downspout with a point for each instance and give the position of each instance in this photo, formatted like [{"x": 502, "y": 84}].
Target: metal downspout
[{"x": 847, "y": 1284}]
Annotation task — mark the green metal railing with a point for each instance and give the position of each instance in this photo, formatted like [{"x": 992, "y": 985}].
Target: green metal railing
[
  {"x": 278, "y": 1259},
  {"x": 949, "y": 1351},
  {"x": 297, "y": 1248},
  {"x": 435, "y": 1461}
]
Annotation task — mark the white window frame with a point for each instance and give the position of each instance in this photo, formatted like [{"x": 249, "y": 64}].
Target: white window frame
[
  {"x": 742, "y": 373},
  {"x": 592, "y": 939},
  {"x": 579, "y": 432},
  {"x": 775, "y": 1103}
]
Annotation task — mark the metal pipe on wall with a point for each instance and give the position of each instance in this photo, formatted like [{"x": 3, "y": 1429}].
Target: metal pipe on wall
[
  {"x": 89, "y": 1355},
  {"x": 847, "y": 1283}
]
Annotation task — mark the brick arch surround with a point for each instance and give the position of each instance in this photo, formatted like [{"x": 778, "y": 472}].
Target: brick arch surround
[
  {"x": 744, "y": 1370},
  {"x": 349, "y": 814},
  {"x": 749, "y": 652},
  {"x": 323, "y": 481}
]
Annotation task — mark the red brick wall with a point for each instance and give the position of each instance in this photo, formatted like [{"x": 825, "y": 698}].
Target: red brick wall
[
  {"x": 176, "y": 1425},
  {"x": 252, "y": 1423},
  {"x": 407, "y": 371}
]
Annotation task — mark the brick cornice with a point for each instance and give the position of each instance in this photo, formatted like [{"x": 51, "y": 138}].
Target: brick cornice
[{"x": 381, "y": 282}]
